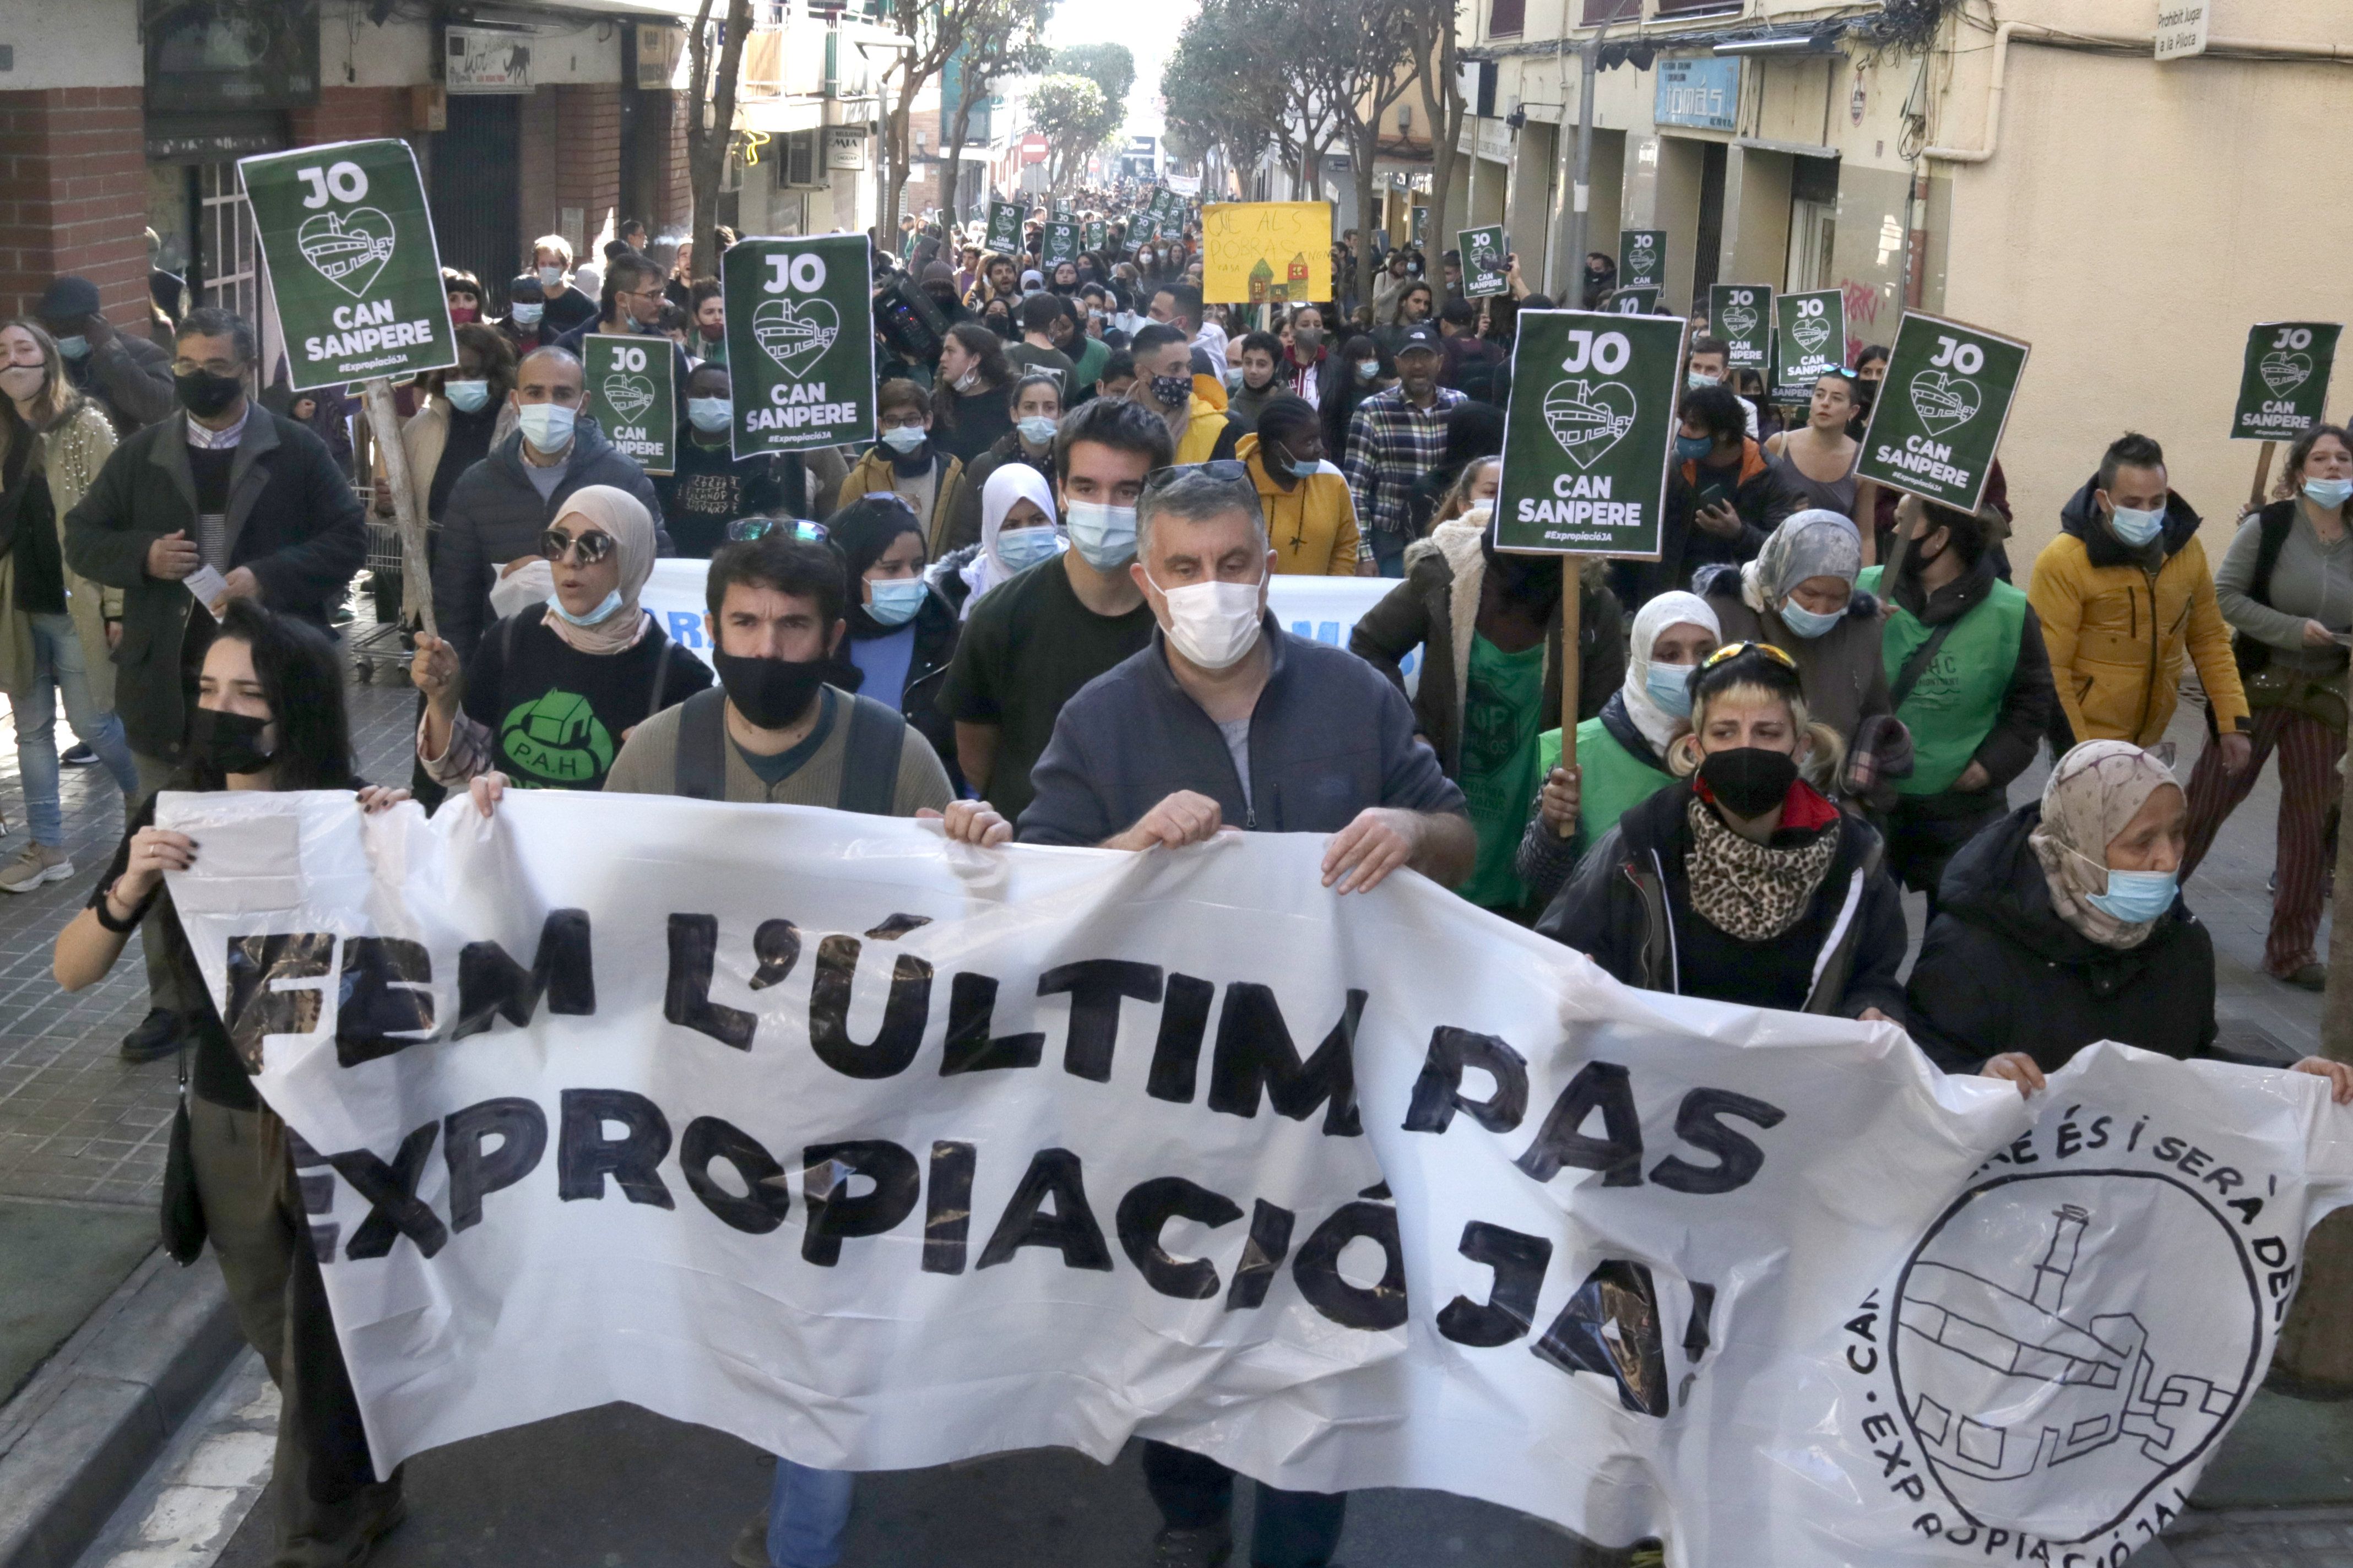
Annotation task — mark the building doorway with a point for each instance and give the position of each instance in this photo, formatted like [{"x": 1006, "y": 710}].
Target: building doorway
[
  {"x": 1813, "y": 223},
  {"x": 472, "y": 196}
]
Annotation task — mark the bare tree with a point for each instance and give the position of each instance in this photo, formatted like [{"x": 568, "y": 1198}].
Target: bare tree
[
  {"x": 1442, "y": 109},
  {"x": 932, "y": 30},
  {"x": 710, "y": 117},
  {"x": 1003, "y": 42},
  {"x": 1361, "y": 58}
]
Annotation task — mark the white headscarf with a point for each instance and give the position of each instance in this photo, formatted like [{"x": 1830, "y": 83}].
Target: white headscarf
[
  {"x": 1676, "y": 609},
  {"x": 1010, "y": 483},
  {"x": 1810, "y": 544}
]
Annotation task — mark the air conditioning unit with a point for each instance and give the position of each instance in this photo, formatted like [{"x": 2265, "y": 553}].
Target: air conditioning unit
[{"x": 802, "y": 164}]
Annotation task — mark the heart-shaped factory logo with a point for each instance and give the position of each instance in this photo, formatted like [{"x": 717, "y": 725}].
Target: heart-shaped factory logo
[
  {"x": 795, "y": 336},
  {"x": 1944, "y": 402},
  {"x": 628, "y": 395},
  {"x": 348, "y": 248},
  {"x": 1811, "y": 332},
  {"x": 1588, "y": 420},
  {"x": 1741, "y": 320},
  {"x": 2284, "y": 373}
]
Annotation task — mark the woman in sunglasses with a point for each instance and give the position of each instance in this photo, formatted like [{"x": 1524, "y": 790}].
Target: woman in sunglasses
[
  {"x": 555, "y": 687},
  {"x": 1741, "y": 882}
]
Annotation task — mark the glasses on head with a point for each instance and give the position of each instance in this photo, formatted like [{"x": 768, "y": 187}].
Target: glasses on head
[
  {"x": 1734, "y": 650},
  {"x": 745, "y": 529},
  {"x": 1225, "y": 469},
  {"x": 591, "y": 547}
]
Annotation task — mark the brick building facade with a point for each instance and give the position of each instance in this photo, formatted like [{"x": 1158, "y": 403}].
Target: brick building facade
[{"x": 72, "y": 184}]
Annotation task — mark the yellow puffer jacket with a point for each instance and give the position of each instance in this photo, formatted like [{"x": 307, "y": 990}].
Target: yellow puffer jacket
[
  {"x": 2118, "y": 632},
  {"x": 1312, "y": 525},
  {"x": 1203, "y": 425}
]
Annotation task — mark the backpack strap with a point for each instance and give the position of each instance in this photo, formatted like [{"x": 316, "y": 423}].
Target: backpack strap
[
  {"x": 661, "y": 674},
  {"x": 701, "y": 771},
  {"x": 870, "y": 758},
  {"x": 1917, "y": 665},
  {"x": 2268, "y": 544}
]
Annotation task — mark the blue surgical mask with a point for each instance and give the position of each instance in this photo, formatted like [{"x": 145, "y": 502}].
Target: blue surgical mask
[
  {"x": 1303, "y": 469},
  {"x": 610, "y": 602},
  {"x": 709, "y": 414},
  {"x": 1368, "y": 368},
  {"x": 546, "y": 426},
  {"x": 466, "y": 396},
  {"x": 528, "y": 315},
  {"x": 2136, "y": 528},
  {"x": 2137, "y": 898},
  {"x": 1104, "y": 536},
  {"x": 896, "y": 600},
  {"x": 1692, "y": 449},
  {"x": 2320, "y": 492},
  {"x": 1670, "y": 687},
  {"x": 1807, "y": 622},
  {"x": 75, "y": 347},
  {"x": 1700, "y": 378},
  {"x": 1025, "y": 547},
  {"x": 906, "y": 439},
  {"x": 1036, "y": 430}
]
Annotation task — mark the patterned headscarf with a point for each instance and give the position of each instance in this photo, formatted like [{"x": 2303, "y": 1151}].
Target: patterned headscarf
[
  {"x": 2095, "y": 791},
  {"x": 624, "y": 517},
  {"x": 1812, "y": 543}
]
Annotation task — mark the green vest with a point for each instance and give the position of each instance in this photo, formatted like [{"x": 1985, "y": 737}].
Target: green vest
[
  {"x": 1952, "y": 708},
  {"x": 1612, "y": 781}
]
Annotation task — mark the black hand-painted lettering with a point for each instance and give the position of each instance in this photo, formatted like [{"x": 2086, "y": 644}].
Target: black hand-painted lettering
[
  {"x": 972, "y": 1012},
  {"x": 777, "y": 945},
  {"x": 1150, "y": 1206},
  {"x": 767, "y": 1196},
  {"x": 394, "y": 1208},
  {"x": 1317, "y": 1269},
  {"x": 1096, "y": 986},
  {"x": 905, "y": 1013},
  {"x": 1071, "y": 1230},
  {"x": 256, "y": 1006},
  {"x": 686, "y": 995},
  {"x": 1738, "y": 1159},
  {"x": 1262, "y": 1256},
  {"x": 491, "y": 985},
  {"x": 585, "y": 1156},
  {"x": 521, "y": 1128},
  {"x": 893, "y": 927},
  {"x": 1696, "y": 1332},
  {"x": 835, "y": 1215},
  {"x": 947, "y": 1207},
  {"x": 1519, "y": 1261},
  {"x": 385, "y": 1001},
  {"x": 1611, "y": 1326},
  {"x": 1177, "y": 1053},
  {"x": 1558, "y": 1142},
  {"x": 1254, "y": 1048},
  {"x": 1438, "y": 1091}
]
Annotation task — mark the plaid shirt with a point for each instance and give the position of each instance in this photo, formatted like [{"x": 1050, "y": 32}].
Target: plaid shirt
[{"x": 1390, "y": 445}]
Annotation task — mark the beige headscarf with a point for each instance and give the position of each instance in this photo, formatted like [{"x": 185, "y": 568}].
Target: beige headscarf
[
  {"x": 2095, "y": 789},
  {"x": 624, "y": 517}
]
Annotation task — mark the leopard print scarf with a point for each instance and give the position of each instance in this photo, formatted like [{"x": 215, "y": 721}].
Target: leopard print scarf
[{"x": 1749, "y": 890}]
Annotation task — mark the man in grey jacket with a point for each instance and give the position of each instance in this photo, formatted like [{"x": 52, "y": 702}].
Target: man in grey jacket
[
  {"x": 500, "y": 507},
  {"x": 127, "y": 375}
]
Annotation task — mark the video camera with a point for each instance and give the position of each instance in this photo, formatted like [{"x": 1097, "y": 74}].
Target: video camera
[{"x": 909, "y": 319}]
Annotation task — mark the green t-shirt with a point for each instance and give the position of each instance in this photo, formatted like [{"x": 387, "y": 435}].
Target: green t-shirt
[{"x": 1502, "y": 710}]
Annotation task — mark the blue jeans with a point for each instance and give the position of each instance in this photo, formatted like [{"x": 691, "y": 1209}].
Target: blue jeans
[
  {"x": 58, "y": 668},
  {"x": 807, "y": 1510},
  {"x": 1388, "y": 552}
]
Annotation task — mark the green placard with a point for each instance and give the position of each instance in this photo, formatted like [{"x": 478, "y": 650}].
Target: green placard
[
  {"x": 1939, "y": 416},
  {"x": 1482, "y": 251},
  {"x": 1633, "y": 302},
  {"x": 2284, "y": 389},
  {"x": 1588, "y": 433},
  {"x": 800, "y": 341},
  {"x": 1004, "y": 227},
  {"x": 1059, "y": 243},
  {"x": 1742, "y": 315},
  {"x": 632, "y": 395},
  {"x": 1643, "y": 258},
  {"x": 1809, "y": 341},
  {"x": 1097, "y": 236},
  {"x": 352, "y": 262}
]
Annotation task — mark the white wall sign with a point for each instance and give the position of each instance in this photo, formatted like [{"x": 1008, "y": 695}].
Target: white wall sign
[
  {"x": 2181, "y": 28},
  {"x": 474, "y": 60},
  {"x": 845, "y": 147}
]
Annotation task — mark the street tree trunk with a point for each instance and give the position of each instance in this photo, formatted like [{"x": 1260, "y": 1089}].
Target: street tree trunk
[
  {"x": 1367, "y": 140},
  {"x": 1441, "y": 105},
  {"x": 898, "y": 133},
  {"x": 708, "y": 131}
]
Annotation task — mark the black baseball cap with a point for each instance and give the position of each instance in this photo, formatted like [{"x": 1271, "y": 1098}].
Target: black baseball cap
[{"x": 1420, "y": 336}]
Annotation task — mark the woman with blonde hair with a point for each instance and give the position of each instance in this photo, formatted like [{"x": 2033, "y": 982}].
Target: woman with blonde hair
[
  {"x": 59, "y": 626},
  {"x": 1742, "y": 882}
]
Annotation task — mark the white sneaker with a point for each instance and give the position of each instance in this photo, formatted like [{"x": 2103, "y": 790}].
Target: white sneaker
[{"x": 38, "y": 864}]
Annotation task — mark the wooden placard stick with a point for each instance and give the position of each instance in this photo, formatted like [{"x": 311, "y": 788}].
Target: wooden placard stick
[{"x": 416, "y": 574}]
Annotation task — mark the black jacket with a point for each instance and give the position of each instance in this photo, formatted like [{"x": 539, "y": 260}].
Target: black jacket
[
  {"x": 1685, "y": 548},
  {"x": 495, "y": 515},
  {"x": 1629, "y": 909},
  {"x": 2000, "y": 970},
  {"x": 293, "y": 521},
  {"x": 129, "y": 377}
]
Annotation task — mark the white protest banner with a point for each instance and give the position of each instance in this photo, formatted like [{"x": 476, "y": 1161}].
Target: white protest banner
[
  {"x": 1324, "y": 609},
  {"x": 880, "y": 1152}
]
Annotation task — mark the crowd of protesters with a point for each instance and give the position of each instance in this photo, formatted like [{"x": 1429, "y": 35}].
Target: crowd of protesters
[{"x": 1035, "y": 605}]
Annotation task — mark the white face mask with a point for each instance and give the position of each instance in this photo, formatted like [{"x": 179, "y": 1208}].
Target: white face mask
[
  {"x": 1213, "y": 624},
  {"x": 550, "y": 276},
  {"x": 528, "y": 315},
  {"x": 546, "y": 426},
  {"x": 1104, "y": 536}
]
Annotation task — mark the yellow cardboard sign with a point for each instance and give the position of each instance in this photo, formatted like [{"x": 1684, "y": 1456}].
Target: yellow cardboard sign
[{"x": 1266, "y": 252}]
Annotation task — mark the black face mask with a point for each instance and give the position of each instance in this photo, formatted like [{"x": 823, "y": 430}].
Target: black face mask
[
  {"x": 773, "y": 693},
  {"x": 225, "y": 743},
  {"x": 1748, "y": 780},
  {"x": 204, "y": 394}
]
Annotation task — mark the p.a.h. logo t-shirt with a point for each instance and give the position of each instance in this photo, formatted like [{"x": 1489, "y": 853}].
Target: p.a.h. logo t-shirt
[{"x": 556, "y": 716}]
